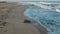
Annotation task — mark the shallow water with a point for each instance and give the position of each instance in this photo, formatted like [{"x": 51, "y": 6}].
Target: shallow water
[{"x": 49, "y": 19}]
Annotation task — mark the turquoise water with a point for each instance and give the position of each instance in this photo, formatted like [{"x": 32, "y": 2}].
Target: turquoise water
[{"x": 45, "y": 17}]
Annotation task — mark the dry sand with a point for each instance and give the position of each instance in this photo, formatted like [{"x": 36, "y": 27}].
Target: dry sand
[{"x": 15, "y": 22}]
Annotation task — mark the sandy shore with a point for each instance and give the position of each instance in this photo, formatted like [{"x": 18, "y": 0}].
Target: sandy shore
[{"x": 15, "y": 20}]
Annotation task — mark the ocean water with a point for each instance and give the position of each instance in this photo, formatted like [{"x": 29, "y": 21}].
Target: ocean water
[
  {"x": 28, "y": 0},
  {"x": 47, "y": 18}
]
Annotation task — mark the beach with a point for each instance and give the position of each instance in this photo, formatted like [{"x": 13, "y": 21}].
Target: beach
[{"x": 15, "y": 20}]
